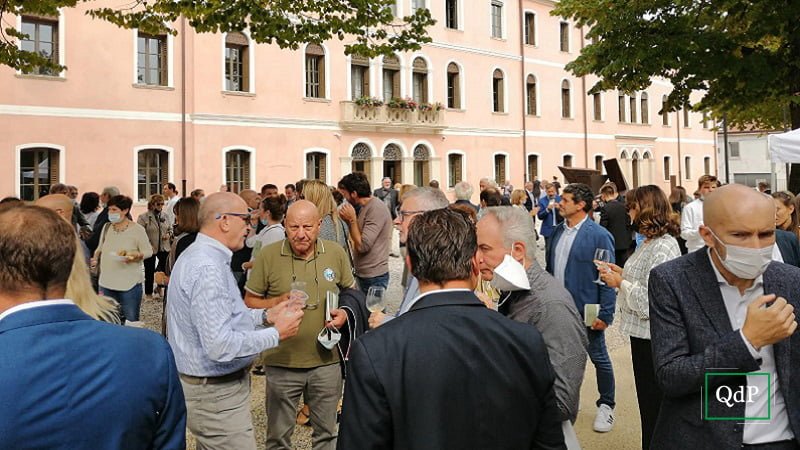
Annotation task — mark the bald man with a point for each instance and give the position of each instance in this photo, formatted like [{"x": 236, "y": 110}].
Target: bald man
[
  {"x": 59, "y": 203},
  {"x": 728, "y": 309},
  {"x": 214, "y": 336},
  {"x": 308, "y": 364}
]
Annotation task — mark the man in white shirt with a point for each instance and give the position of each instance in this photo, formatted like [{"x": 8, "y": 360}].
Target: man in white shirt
[
  {"x": 171, "y": 194},
  {"x": 722, "y": 320},
  {"x": 692, "y": 214}
]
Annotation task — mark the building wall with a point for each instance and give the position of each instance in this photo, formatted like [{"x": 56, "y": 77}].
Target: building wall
[
  {"x": 752, "y": 164},
  {"x": 97, "y": 113}
]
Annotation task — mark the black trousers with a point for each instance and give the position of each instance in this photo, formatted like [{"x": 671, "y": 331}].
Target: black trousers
[
  {"x": 150, "y": 269},
  {"x": 648, "y": 394}
]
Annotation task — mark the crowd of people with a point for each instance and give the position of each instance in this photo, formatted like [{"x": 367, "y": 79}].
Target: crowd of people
[{"x": 487, "y": 349}]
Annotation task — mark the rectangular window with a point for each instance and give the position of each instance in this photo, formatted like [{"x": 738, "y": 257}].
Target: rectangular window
[
  {"x": 632, "y": 101},
  {"x": 451, "y": 14},
  {"x": 533, "y": 167},
  {"x": 359, "y": 81},
  {"x": 420, "y": 85},
  {"x": 453, "y": 90},
  {"x": 705, "y": 120},
  {"x": 567, "y": 161},
  {"x": 664, "y": 113},
  {"x": 497, "y": 95},
  {"x": 236, "y": 72},
  {"x": 707, "y": 165},
  {"x": 314, "y": 76},
  {"x": 455, "y": 176},
  {"x": 237, "y": 170},
  {"x": 564, "y": 34},
  {"x": 621, "y": 106},
  {"x": 687, "y": 168},
  {"x": 38, "y": 169},
  {"x": 497, "y": 19},
  {"x": 733, "y": 150},
  {"x": 42, "y": 38},
  {"x": 417, "y": 4},
  {"x": 598, "y": 163},
  {"x": 151, "y": 60},
  {"x": 391, "y": 84},
  {"x": 598, "y": 106},
  {"x": 530, "y": 91},
  {"x": 152, "y": 173},
  {"x": 530, "y": 28},
  {"x": 316, "y": 166},
  {"x": 667, "y": 169},
  {"x": 500, "y": 169}
]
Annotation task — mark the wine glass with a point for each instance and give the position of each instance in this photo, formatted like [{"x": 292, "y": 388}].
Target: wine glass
[
  {"x": 602, "y": 256},
  {"x": 376, "y": 298}
]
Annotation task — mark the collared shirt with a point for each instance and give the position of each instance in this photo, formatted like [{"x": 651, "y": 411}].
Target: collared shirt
[
  {"x": 435, "y": 291},
  {"x": 691, "y": 219},
  {"x": 778, "y": 428},
  {"x": 31, "y": 305},
  {"x": 564, "y": 246},
  {"x": 211, "y": 331}
]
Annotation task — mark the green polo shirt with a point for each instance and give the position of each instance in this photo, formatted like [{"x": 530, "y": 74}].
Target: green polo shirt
[{"x": 274, "y": 269}]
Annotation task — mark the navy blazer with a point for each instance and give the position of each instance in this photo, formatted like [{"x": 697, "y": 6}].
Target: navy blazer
[
  {"x": 546, "y": 216},
  {"x": 789, "y": 246},
  {"x": 581, "y": 272},
  {"x": 691, "y": 335},
  {"x": 450, "y": 373},
  {"x": 70, "y": 382}
]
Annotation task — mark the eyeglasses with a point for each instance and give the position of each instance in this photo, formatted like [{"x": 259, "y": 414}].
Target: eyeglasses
[
  {"x": 404, "y": 214},
  {"x": 243, "y": 216}
]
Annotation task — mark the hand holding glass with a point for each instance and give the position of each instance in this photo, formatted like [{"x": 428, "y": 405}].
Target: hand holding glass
[
  {"x": 376, "y": 299},
  {"x": 298, "y": 295},
  {"x": 602, "y": 257}
]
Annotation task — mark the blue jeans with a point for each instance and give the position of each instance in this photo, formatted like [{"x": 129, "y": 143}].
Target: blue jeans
[
  {"x": 129, "y": 301},
  {"x": 598, "y": 353},
  {"x": 380, "y": 280}
]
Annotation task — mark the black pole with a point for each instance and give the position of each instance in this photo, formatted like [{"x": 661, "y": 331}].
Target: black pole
[{"x": 725, "y": 145}]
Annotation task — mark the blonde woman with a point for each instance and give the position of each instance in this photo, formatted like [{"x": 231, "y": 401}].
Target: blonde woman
[
  {"x": 518, "y": 198},
  {"x": 332, "y": 228},
  {"x": 80, "y": 291}
]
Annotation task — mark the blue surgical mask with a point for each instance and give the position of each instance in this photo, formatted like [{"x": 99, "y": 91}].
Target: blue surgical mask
[
  {"x": 263, "y": 221},
  {"x": 114, "y": 217},
  {"x": 640, "y": 238}
]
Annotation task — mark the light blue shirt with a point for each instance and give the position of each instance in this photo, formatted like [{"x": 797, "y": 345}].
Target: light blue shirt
[
  {"x": 563, "y": 247},
  {"x": 211, "y": 331},
  {"x": 409, "y": 298}
]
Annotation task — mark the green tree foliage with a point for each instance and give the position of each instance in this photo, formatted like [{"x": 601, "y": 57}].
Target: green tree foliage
[
  {"x": 744, "y": 55},
  {"x": 367, "y": 27}
]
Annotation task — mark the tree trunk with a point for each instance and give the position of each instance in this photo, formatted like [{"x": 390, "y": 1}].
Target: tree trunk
[{"x": 794, "y": 176}]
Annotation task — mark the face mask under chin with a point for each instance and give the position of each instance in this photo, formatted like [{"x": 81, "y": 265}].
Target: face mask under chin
[{"x": 510, "y": 275}]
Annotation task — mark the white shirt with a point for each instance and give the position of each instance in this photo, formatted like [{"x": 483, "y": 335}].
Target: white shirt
[
  {"x": 168, "y": 209},
  {"x": 564, "y": 246},
  {"x": 777, "y": 429},
  {"x": 31, "y": 305},
  {"x": 691, "y": 219}
]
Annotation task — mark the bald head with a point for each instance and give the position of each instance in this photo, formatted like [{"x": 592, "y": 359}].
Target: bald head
[
  {"x": 302, "y": 227},
  {"x": 59, "y": 203},
  {"x": 220, "y": 203},
  {"x": 251, "y": 197},
  {"x": 302, "y": 208},
  {"x": 736, "y": 203}
]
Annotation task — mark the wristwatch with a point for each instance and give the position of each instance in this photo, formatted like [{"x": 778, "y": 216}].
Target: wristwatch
[{"x": 264, "y": 317}]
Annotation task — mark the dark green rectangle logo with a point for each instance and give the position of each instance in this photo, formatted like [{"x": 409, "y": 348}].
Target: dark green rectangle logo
[{"x": 728, "y": 396}]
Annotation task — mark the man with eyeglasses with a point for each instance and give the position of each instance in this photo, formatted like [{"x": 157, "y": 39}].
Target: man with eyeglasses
[
  {"x": 415, "y": 202},
  {"x": 214, "y": 336},
  {"x": 309, "y": 363}
]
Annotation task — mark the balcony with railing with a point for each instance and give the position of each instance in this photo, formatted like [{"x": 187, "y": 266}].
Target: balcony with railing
[{"x": 429, "y": 118}]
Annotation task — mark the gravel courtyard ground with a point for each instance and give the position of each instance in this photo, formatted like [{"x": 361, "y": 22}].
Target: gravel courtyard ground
[{"x": 626, "y": 434}]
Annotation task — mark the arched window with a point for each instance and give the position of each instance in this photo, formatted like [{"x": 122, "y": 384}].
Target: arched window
[
  {"x": 420, "y": 80},
  {"x": 453, "y": 86},
  {"x": 664, "y": 113},
  {"x": 500, "y": 169},
  {"x": 566, "y": 161},
  {"x": 623, "y": 155},
  {"x": 422, "y": 175},
  {"x": 635, "y": 169},
  {"x": 237, "y": 170},
  {"x": 632, "y": 102},
  {"x": 530, "y": 95},
  {"x": 391, "y": 78},
  {"x": 315, "y": 71},
  {"x": 393, "y": 162},
  {"x": 498, "y": 91},
  {"x": 359, "y": 77},
  {"x": 39, "y": 168},
  {"x": 152, "y": 172},
  {"x": 533, "y": 167},
  {"x": 237, "y": 62},
  {"x": 362, "y": 156},
  {"x": 644, "y": 108},
  {"x": 687, "y": 167},
  {"x": 566, "y": 112}
]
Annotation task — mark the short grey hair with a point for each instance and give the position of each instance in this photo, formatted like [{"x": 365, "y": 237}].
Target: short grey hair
[
  {"x": 429, "y": 198},
  {"x": 111, "y": 191},
  {"x": 463, "y": 191},
  {"x": 516, "y": 226},
  {"x": 490, "y": 182}
]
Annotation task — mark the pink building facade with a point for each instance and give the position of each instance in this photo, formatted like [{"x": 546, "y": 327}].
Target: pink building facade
[{"x": 136, "y": 111}]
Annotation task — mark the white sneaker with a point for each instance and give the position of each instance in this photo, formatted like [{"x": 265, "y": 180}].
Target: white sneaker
[{"x": 604, "y": 420}]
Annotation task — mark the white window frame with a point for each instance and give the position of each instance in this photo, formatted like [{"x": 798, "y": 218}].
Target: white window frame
[
  {"x": 410, "y": 75},
  {"x": 62, "y": 161},
  {"x": 503, "y": 19},
  {"x": 571, "y": 100},
  {"x": 373, "y": 63},
  {"x": 251, "y": 70},
  {"x": 459, "y": 16},
  {"x": 538, "y": 96},
  {"x": 246, "y": 148},
  {"x": 666, "y": 161},
  {"x": 379, "y": 77},
  {"x": 508, "y": 165},
  {"x": 327, "y": 60},
  {"x": 461, "y": 85},
  {"x": 535, "y": 28},
  {"x": 538, "y": 163},
  {"x": 687, "y": 175},
  {"x": 570, "y": 154},
  {"x": 170, "y": 168},
  {"x": 602, "y": 166},
  {"x": 328, "y": 161},
  {"x": 463, "y": 155},
  {"x": 602, "y": 108},
  {"x": 569, "y": 36},
  {"x": 170, "y": 62},
  {"x": 506, "y": 85},
  {"x": 62, "y": 46}
]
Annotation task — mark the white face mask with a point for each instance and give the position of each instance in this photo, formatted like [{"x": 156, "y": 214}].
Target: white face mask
[
  {"x": 114, "y": 217},
  {"x": 329, "y": 337},
  {"x": 510, "y": 275},
  {"x": 746, "y": 263}
]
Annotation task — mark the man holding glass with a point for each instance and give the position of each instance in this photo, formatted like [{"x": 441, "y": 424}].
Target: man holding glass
[
  {"x": 574, "y": 245},
  {"x": 549, "y": 215},
  {"x": 307, "y": 364}
]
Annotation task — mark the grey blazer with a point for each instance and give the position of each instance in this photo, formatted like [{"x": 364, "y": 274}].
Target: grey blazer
[{"x": 692, "y": 335}]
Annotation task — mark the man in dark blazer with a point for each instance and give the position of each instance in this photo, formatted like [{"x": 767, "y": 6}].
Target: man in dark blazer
[
  {"x": 789, "y": 247},
  {"x": 570, "y": 261},
  {"x": 388, "y": 195},
  {"x": 727, "y": 308},
  {"x": 67, "y": 380},
  {"x": 549, "y": 215},
  {"x": 449, "y": 373},
  {"x": 614, "y": 218}
]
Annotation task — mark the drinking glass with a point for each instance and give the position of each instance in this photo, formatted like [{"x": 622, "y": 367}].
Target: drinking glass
[
  {"x": 298, "y": 294},
  {"x": 376, "y": 298},
  {"x": 602, "y": 257}
]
